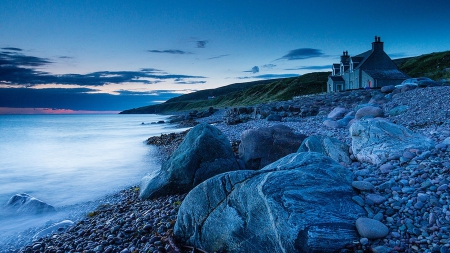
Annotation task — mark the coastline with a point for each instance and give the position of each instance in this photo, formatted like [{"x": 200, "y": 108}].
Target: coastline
[{"x": 145, "y": 225}]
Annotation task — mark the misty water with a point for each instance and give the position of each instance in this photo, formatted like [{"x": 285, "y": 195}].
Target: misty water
[{"x": 68, "y": 160}]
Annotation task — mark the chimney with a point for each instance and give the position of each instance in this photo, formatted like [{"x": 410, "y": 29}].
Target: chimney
[
  {"x": 377, "y": 45},
  {"x": 344, "y": 56}
]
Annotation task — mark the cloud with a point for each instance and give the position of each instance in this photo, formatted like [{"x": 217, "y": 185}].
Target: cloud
[
  {"x": 201, "y": 43},
  {"x": 19, "y": 69},
  {"x": 189, "y": 82},
  {"x": 169, "y": 51},
  {"x": 302, "y": 53},
  {"x": 12, "y": 48},
  {"x": 317, "y": 67},
  {"x": 254, "y": 70},
  {"x": 269, "y": 76},
  {"x": 217, "y": 57},
  {"x": 65, "y": 57},
  {"x": 268, "y": 66}
]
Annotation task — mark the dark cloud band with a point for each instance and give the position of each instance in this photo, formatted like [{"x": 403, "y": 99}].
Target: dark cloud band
[{"x": 301, "y": 54}]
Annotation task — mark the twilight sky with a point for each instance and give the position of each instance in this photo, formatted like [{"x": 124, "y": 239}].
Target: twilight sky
[{"x": 59, "y": 56}]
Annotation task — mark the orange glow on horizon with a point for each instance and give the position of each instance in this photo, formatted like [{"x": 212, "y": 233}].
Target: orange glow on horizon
[{"x": 29, "y": 111}]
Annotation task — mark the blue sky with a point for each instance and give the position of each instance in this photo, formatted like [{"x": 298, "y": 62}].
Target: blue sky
[{"x": 109, "y": 55}]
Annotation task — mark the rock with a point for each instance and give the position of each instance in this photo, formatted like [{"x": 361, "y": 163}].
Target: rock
[
  {"x": 398, "y": 110},
  {"x": 337, "y": 113},
  {"x": 370, "y": 228},
  {"x": 26, "y": 204},
  {"x": 344, "y": 122},
  {"x": 262, "y": 146},
  {"x": 369, "y": 112},
  {"x": 332, "y": 124},
  {"x": 446, "y": 141},
  {"x": 204, "y": 153},
  {"x": 55, "y": 228},
  {"x": 387, "y": 89},
  {"x": 300, "y": 203},
  {"x": 363, "y": 185},
  {"x": 375, "y": 198},
  {"x": 373, "y": 140},
  {"x": 328, "y": 146},
  {"x": 274, "y": 117}
]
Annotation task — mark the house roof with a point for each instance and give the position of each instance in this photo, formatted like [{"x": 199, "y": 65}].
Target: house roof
[
  {"x": 336, "y": 78},
  {"x": 386, "y": 74}
]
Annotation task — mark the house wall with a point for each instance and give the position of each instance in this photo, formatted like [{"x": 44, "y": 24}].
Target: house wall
[
  {"x": 378, "y": 83},
  {"x": 330, "y": 85},
  {"x": 366, "y": 80}
]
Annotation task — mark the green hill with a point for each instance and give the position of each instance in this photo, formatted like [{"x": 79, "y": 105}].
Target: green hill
[
  {"x": 241, "y": 94},
  {"x": 435, "y": 66}
]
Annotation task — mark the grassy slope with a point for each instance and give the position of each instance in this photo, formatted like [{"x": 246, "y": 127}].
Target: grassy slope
[
  {"x": 243, "y": 94},
  {"x": 434, "y": 65}
]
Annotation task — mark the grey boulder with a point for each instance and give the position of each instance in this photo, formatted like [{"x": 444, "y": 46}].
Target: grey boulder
[
  {"x": 337, "y": 113},
  {"x": 374, "y": 140},
  {"x": 369, "y": 112},
  {"x": 262, "y": 146},
  {"x": 26, "y": 204},
  {"x": 300, "y": 203},
  {"x": 204, "y": 153},
  {"x": 328, "y": 146}
]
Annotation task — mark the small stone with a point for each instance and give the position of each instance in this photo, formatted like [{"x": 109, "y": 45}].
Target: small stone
[
  {"x": 364, "y": 241},
  {"x": 375, "y": 198},
  {"x": 363, "y": 185},
  {"x": 408, "y": 155},
  {"x": 443, "y": 187},
  {"x": 419, "y": 205},
  {"x": 358, "y": 200},
  {"x": 386, "y": 168},
  {"x": 395, "y": 234},
  {"x": 378, "y": 217},
  {"x": 371, "y": 228}
]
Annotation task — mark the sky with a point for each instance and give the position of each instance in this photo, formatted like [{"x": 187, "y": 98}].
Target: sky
[{"x": 84, "y": 56}]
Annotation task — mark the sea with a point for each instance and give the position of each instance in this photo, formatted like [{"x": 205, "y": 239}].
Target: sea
[{"x": 68, "y": 160}]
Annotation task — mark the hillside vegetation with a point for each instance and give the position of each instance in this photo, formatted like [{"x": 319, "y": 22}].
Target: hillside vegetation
[
  {"x": 242, "y": 94},
  {"x": 435, "y": 66}
]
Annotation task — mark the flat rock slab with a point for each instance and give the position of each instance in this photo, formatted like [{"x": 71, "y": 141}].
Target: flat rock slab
[
  {"x": 300, "y": 203},
  {"x": 375, "y": 140}
]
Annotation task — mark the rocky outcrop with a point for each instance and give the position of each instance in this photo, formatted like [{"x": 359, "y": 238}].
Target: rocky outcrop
[
  {"x": 26, "y": 204},
  {"x": 328, "y": 146},
  {"x": 204, "y": 153},
  {"x": 300, "y": 203},
  {"x": 262, "y": 146},
  {"x": 374, "y": 140}
]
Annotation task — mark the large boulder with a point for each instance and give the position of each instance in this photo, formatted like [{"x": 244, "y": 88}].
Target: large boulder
[
  {"x": 300, "y": 203},
  {"x": 262, "y": 146},
  {"x": 374, "y": 140},
  {"x": 26, "y": 204},
  {"x": 204, "y": 153},
  {"x": 328, "y": 146}
]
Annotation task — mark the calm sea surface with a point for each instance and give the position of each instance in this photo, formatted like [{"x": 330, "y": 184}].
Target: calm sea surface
[{"x": 70, "y": 159}]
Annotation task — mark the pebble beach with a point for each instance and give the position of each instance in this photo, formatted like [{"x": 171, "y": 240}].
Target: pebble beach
[{"x": 409, "y": 193}]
